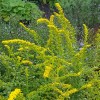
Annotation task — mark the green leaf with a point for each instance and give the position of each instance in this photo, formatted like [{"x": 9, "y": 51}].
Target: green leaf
[{"x": 7, "y": 18}]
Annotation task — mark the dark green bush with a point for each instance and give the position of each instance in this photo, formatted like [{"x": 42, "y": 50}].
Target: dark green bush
[
  {"x": 82, "y": 11},
  {"x": 19, "y": 10}
]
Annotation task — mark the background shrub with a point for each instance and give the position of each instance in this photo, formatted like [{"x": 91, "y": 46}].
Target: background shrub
[
  {"x": 82, "y": 11},
  {"x": 19, "y": 10}
]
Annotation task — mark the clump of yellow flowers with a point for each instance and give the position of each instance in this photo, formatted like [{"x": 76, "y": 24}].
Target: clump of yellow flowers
[{"x": 14, "y": 94}]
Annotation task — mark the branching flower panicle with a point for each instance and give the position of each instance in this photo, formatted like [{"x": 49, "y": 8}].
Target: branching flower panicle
[
  {"x": 18, "y": 41},
  {"x": 25, "y": 43}
]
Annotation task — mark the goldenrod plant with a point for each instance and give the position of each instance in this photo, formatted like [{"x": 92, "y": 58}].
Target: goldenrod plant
[
  {"x": 54, "y": 71},
  {"x": 93, "y": 63}
]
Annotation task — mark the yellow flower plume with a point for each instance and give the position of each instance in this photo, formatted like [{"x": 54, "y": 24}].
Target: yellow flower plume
[
  {"x": 59, "y": 8},
  {"x": 14, "y": 94},
  {"x": 26, "y": 62},
  {"x": 47, "y": 71}
]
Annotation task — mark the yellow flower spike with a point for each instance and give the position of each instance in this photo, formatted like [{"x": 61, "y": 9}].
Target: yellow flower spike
[
  {"x": 27, "y": 29},
  {"x": 26, "y": 62},
  {"x": 66, "y": 85},
  {"x": 61, "y": 31},
  {"x": 79, "y": 73},
  {"x": 52, "y": 19},
  {"x": 32, "y": 32},
  {"x": 47, "y": 71},
  {"x": 86, "y": 33},
  {"x": 59, "y": 8},
  {"x": 8, "y": 47},
  {"x": 22, "y": 25},
  {"x": 58, "y": 90},
  {"x": 82, "y": 51},
  {"x": 20, "y": 49},
  {"x": 86, "y": 86},
  {"x": 19, "y": 58},
  {"x": 76, "y": 74},
  {"x": 18, "y": 41},
  {"x": 56, "y": 14},
  {"x": 14, "y": 94},
  {"x": 25, "y": 43},
  {"x": 62, "y": 85},
  {"x": 43, "y": 20},
  {"x": 53, "y": 27},
  {"x": 68, "y": 93}
]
